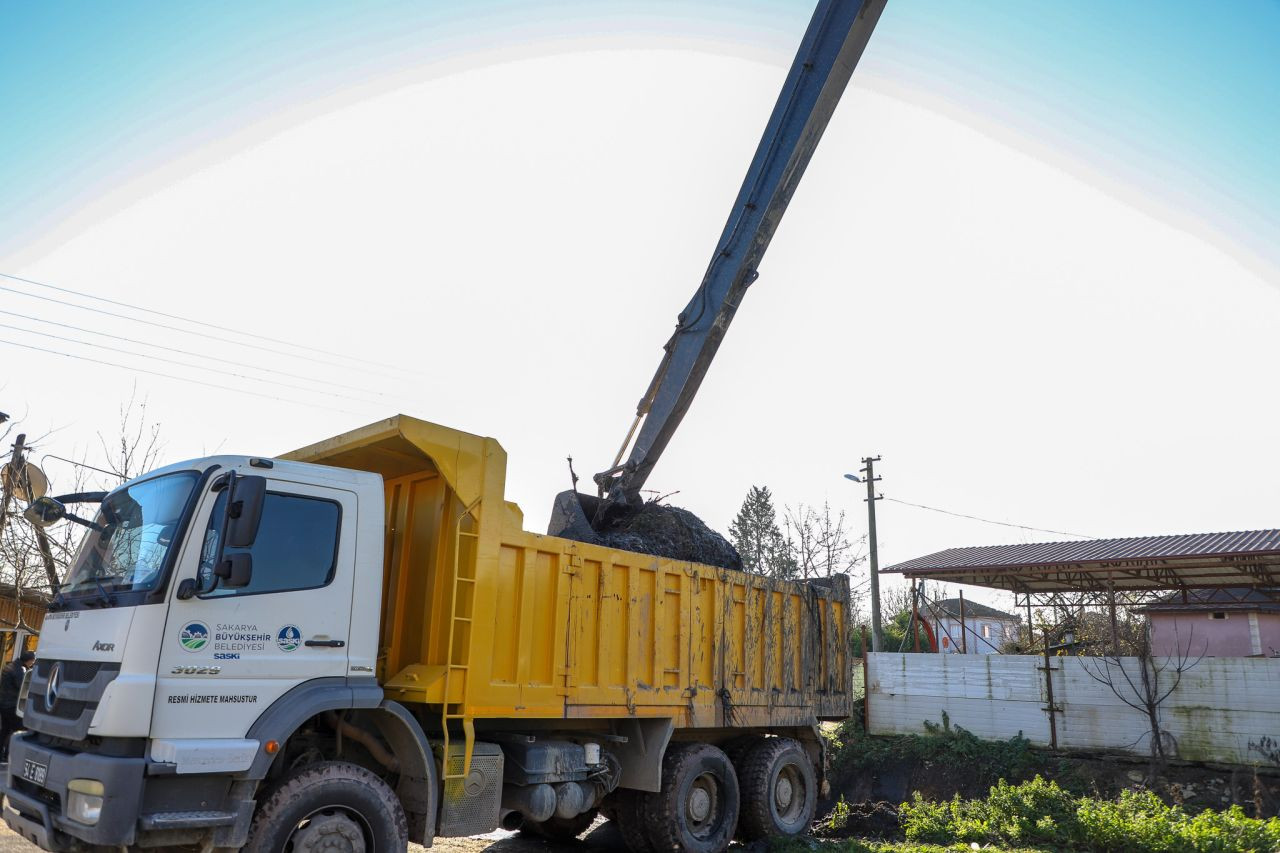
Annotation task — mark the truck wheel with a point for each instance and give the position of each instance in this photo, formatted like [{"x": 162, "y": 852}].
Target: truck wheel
[
  {"x": 697, "y": 809},
  {"x": 626, "y": 806},
  {"x": 333, "y": 807},
  {"x": 738, "y": 748},
  {"x": 779, "y": 790},
  {"x": 563, "y": 829}
]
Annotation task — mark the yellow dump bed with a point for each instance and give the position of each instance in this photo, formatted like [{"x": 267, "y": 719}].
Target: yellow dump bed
[{"x": 504, "y": 623}]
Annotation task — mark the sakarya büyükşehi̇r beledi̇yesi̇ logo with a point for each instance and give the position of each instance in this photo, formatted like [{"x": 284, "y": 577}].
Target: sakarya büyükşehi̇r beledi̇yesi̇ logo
[{"x": 194, "y": 636}]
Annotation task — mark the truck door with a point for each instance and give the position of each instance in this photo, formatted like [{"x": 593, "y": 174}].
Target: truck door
[{"x": 228, "y": 653}]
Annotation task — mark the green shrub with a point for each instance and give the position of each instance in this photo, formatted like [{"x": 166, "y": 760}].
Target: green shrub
[
  {"x": 1137, "y": 821},
  {"x": 1232, "y": 830},
  {"x": 1035, "y": 812},
  {"x": 854, "y": 752},
  {"x": 1042, "y": 813}
]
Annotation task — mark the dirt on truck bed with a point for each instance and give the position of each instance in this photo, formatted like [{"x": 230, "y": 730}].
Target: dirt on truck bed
[
  {"x": 669, "y": 531},
  {"x": 652, "y": 528}
]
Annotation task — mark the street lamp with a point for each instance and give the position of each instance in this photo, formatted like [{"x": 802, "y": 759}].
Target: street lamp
[{"x": 870, "y": 480}]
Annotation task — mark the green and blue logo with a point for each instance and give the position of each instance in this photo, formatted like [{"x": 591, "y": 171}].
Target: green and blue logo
[
  {"x": 289, "y": 638},
  {"x": 194, "y": 636}
]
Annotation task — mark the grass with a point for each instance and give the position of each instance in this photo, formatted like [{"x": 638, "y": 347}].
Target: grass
[{"x": 850, "y": 845}]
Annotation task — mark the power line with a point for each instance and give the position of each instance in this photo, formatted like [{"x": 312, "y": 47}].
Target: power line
[
  {"x": 990, "y": 521},
  {"x": 129, "y": 340},
  {"x": 190, "y": 365},
  {"x": 177, "y": 329},
  {"x": 178, "y": 378},
  {"x": 115, "y": 474},
  {"x": 200, "y": 322}
]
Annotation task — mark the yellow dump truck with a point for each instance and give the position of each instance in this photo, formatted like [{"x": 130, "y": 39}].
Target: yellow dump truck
[{"x": 358, "y": 644}]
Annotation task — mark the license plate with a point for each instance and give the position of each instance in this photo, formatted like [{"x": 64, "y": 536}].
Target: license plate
[{"x": 34, "y": 771}]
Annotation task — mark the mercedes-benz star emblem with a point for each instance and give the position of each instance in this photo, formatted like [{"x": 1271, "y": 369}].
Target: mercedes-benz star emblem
[{"x": 55, "y": 684}]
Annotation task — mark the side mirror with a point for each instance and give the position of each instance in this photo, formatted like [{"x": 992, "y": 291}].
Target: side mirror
[
  {"x": 244, "y": 511},
  {"x": 235, "y": 570},
  {"x": 45, "y": 511}
]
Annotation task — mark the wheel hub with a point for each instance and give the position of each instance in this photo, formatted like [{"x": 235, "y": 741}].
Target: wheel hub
[
  {"x": 783, "y": 792},
  {"x": 333, "y": 832},
  {"x": 699, "y": 804}
]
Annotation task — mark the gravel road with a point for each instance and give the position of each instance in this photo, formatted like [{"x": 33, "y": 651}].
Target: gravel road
[{"x": 600, "y": 837}]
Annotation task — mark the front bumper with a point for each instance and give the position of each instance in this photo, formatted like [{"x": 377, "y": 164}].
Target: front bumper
[{"x": 36, "y": 811}]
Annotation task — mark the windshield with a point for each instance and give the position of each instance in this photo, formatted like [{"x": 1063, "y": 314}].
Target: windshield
[{"x": 134, "y": 530}]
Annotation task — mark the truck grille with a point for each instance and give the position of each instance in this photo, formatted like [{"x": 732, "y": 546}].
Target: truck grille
[
  {"x": 72, "y": 670},
  {"x": 81, "y": 684}
]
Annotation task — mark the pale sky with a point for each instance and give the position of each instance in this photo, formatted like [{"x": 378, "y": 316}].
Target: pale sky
[{"x": 1019, "y": 341}]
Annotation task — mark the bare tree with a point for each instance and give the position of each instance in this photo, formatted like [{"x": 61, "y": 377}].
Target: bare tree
[
  {"x": 895, "y": 600},
  {"x": 136, "y": 445},
  {"x": 820, "y": 542},
  {"x": 132, "y": 450},
  {"x": 1144, "y": 681}
]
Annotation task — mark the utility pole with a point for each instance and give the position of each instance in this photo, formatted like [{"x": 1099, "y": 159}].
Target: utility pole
[
  {"x": 18, "y": 479},
  {"x": 877, "y": 641}
]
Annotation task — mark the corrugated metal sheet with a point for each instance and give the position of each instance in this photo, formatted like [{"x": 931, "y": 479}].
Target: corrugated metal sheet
[
  {"x": 1145, "y": 562},
  {"x": 1095, "y": 550},
  {"x": 1221, "y": 706}
]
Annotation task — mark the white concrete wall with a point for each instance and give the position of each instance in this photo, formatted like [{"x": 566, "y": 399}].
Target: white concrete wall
[{"x": 1220, "y": 706}]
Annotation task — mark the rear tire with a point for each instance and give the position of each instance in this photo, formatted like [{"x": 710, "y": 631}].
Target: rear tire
[
  {"x": 331, "y": 806},
  {"x": 627, "y": 810},
  {"x": 562, "y": 829},
  {"x": 697, "y": 809},
  {"x": 779, "y": 790},
  {"x": 738, "y": 748}
]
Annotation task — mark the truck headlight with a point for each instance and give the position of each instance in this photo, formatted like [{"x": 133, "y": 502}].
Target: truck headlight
[{"x": 84, "y": 801}]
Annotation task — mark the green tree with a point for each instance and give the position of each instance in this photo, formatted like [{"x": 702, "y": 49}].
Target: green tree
[{"x": 758, "y": 538}]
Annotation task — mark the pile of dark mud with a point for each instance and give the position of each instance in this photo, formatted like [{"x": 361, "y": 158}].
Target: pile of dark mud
[
  {"x": 652, "y": 528},
  {"x": 669, "y": 531}
]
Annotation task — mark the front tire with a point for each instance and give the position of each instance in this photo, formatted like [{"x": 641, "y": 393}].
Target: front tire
[
  {"x": 697, "y": 809},
  {"x": 333, "y": 807}
]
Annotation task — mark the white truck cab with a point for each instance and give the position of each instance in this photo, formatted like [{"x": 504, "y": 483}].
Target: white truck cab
[{"x": 187, "y": 639}]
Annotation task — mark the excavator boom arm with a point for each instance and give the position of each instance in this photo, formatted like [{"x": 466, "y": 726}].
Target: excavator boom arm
[{"x": 832, "y": 45}]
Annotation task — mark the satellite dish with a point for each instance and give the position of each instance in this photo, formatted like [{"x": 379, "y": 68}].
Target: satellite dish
[{"x": 17, "y": 485}]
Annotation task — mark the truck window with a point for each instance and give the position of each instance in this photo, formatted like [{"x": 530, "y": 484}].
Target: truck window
[{"x": 296, "y": 548}]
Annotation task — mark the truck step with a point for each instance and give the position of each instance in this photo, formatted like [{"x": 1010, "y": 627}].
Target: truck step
[{"x": 186, "y": 820}]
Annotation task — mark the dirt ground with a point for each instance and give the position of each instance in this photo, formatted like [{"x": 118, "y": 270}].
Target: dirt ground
[{"x": 601, "y": 837}]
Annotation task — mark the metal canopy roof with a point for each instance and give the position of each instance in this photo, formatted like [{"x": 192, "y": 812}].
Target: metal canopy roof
[{"x": 1193, "y": 561}]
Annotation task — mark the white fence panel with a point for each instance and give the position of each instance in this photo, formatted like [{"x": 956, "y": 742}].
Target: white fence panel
[
  {"x": 993, "y": 696},
  {"x": 1220, "y": 707}
]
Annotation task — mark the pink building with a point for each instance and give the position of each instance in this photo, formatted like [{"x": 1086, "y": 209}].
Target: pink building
[{"x": 1220, "y": 622}]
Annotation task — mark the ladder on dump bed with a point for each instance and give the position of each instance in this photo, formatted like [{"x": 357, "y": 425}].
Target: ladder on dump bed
[{"x": 457, "y": 621}]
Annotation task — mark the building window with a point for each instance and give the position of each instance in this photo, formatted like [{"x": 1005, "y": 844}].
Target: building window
[
  {"x": 986, "y": 631},
  {"x": 1218, "y": 614}
]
